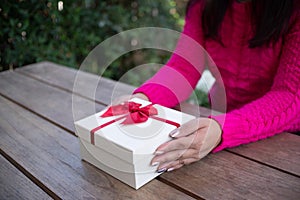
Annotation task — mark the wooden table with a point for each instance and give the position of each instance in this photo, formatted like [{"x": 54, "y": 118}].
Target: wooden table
[{"x": 40, "y": 153}]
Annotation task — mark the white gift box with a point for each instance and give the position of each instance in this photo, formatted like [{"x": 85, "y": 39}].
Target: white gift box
[{"x": 125, "y": 151}]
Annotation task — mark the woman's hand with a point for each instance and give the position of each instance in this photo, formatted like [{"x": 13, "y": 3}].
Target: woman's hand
[
  {"x": 192, "y": 141},
  {"x": 125, "y": 98}
]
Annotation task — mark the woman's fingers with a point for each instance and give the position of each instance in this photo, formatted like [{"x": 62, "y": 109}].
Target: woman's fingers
[
  {"x": 208, "y": 131},
  {"x": 190, "y": 127},
  {"x": 185, "y": 129},
  {"x": 177, "y": 144},
  {"x": 189, "y": 148},
  {"x": 170, "y": 166},
  {"x": 121, "y": 99},
  {"x": 125, "y": 98},
  {"x": 141, "y": 96},
  {"x": 192, "y": 141},
  {"x": 165, "y": 159}
]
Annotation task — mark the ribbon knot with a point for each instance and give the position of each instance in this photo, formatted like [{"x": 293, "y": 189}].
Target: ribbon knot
[{"x": 133, "y": 112}]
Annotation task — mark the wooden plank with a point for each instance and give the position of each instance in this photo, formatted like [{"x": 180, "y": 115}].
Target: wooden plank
[
  {"x": 224, "y": 176},
  {"x": 15, "y": 185},
  {"x": 286, "y": 144},
  {"x": 62, "y": 77},
  {"x": 244, "y": 168},
  {"x": 52, "y": 156},
  {"x": 281, "y": 151},
  {"x": 51, "y": 103}
]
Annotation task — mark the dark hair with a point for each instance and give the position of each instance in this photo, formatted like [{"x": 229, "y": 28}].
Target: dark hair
[{"x": 270, "y": 19}]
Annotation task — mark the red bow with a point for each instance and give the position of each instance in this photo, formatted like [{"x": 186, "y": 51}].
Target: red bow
[{"x": 135, "y": 113}]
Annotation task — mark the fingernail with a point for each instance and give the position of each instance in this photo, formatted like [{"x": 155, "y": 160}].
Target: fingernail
[
  {"x": 155, "y": 164},
  {"x": 174, "y": 133},
  {"x": 161, "y": 170},
  {"x": 170, "y": 169},
  {"x": 158, "y": 152}
]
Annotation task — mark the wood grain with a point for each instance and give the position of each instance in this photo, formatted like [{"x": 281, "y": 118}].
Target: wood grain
[
  {"x": 15, "y": 185},
  {"x": 51, "y": 155},
  {"x": 88, "y": 85},
  {"x": 281, "y": 151},
  {"x": 51, "y": 103},
  {"x": 276, "y": 151},
  {"x": 223, "y": 176},
  {"x": 241, "y": 173}
]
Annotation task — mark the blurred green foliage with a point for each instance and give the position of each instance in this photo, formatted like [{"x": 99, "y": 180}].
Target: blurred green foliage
[
  {"x": 36, "y": 30},
  {"x": 199, "y": 98}
]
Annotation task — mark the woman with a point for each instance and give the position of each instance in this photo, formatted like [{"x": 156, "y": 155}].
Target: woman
[{"x": 256, "y": 47}]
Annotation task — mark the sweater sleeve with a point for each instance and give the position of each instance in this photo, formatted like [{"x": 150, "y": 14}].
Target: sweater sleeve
[
  {"x": 176, "y": 80},
  {"x": 275, "y": 112}
]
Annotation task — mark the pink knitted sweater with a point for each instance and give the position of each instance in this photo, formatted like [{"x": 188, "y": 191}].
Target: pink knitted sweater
[{"x": 262, "y": 84}]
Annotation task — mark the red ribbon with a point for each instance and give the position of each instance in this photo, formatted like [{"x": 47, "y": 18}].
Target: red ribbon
[
  {"x": 133, "y": 113},
  {"x": 136, "y": 113}
]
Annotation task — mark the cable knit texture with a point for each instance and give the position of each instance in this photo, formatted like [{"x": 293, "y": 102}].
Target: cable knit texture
[{"x": 262, "y": 84}]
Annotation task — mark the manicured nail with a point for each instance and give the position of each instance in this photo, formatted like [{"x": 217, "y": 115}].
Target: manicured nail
[
  {"x": 161, "y": 170},
  {"x": 158, "y": 152},
  {"x": 174, "y": 133},
  {"x": 155, "y": 164},
  {"x": 170, "y": 169}
]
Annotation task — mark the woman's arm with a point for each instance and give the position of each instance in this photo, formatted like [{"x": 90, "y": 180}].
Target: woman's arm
[{"x": 275, "y": 112}]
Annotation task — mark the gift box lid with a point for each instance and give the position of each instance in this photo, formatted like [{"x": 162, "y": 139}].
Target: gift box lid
[{"x": 131, "y": 142}]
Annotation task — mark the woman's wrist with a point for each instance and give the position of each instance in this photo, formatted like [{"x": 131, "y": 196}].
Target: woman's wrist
[{"x": 219, "y": 129}]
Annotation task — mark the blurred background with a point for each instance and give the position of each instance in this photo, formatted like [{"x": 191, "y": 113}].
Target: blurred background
[{"x": 65, "y": 31}]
